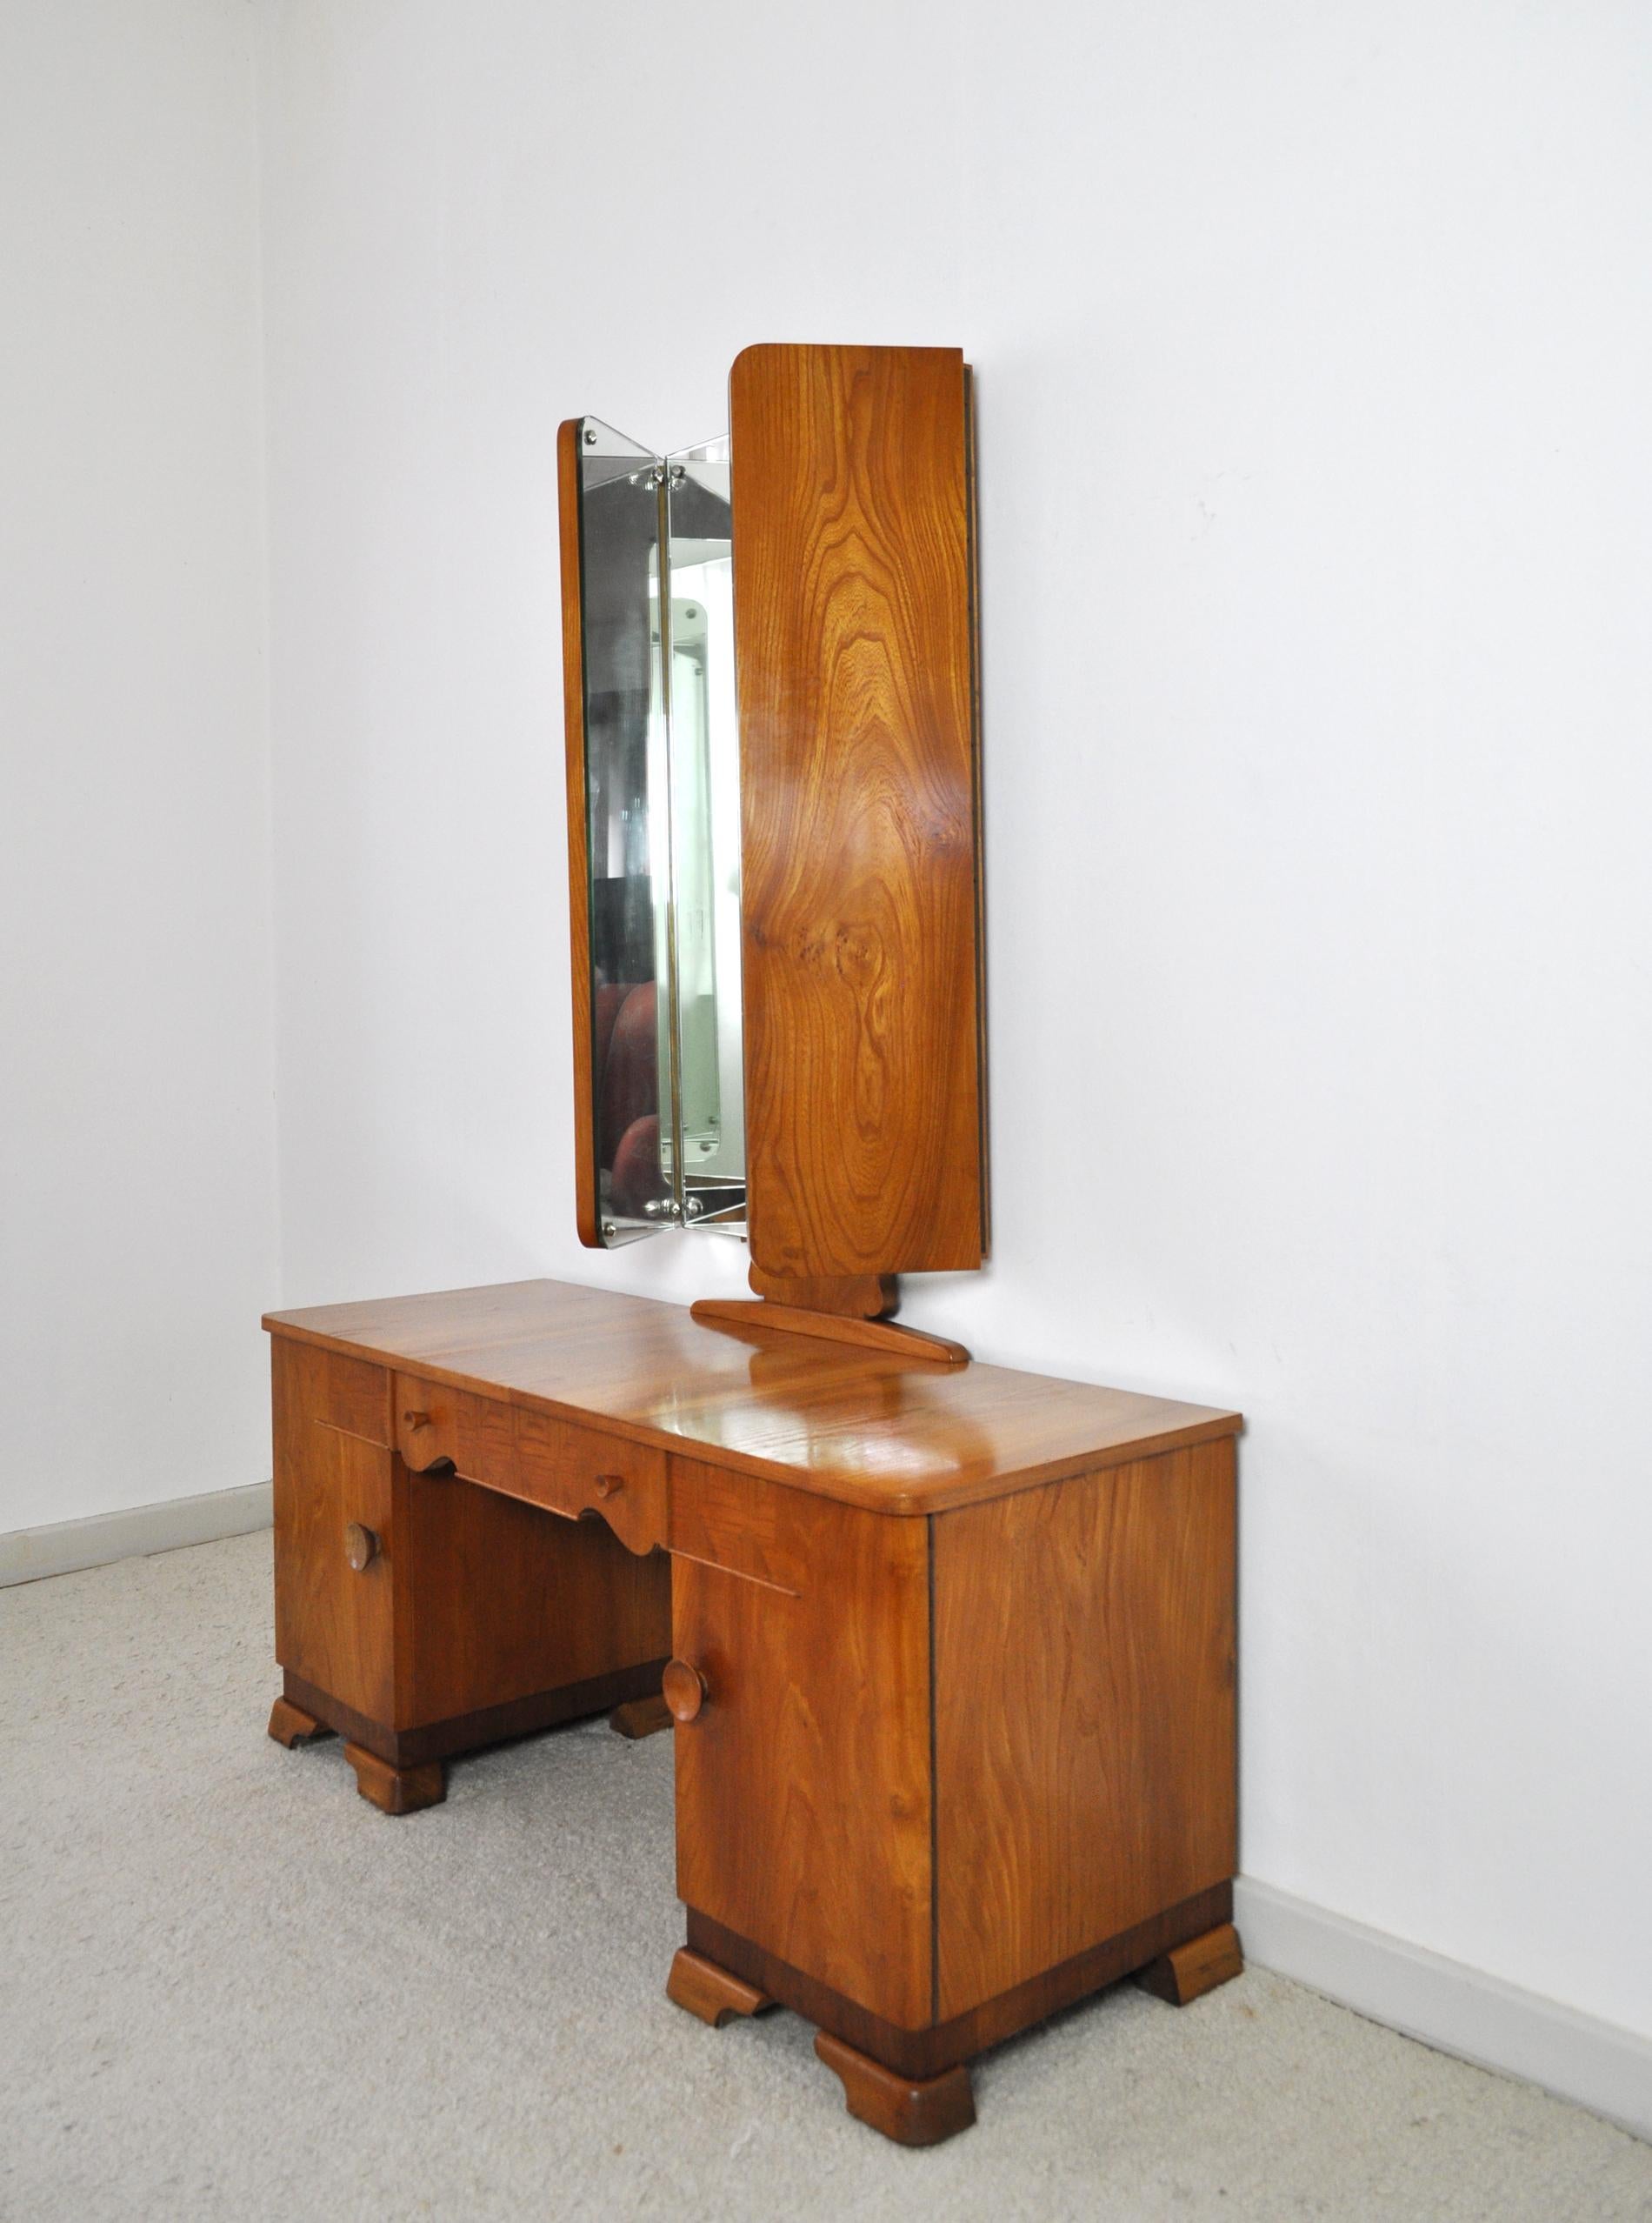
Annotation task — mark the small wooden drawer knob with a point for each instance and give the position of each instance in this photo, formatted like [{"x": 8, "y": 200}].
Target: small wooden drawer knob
[
  {"x": 684, "y": 1690},
  {"x": 361, "y": 1546},
  {"x": 417, "y": 1419},
  {"x": 610, "y": 1486}
]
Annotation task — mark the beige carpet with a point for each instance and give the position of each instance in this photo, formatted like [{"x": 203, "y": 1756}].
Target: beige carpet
[{"x": 229, "y": 1987}]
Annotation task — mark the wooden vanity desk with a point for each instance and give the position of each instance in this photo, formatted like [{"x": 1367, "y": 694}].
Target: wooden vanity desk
[{"x": 951, "y": 1649}]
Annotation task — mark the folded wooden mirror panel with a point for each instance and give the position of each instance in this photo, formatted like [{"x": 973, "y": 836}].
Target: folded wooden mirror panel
[
  {"x": 855, "y": 636},
  {"x": 770, "y": 651}
]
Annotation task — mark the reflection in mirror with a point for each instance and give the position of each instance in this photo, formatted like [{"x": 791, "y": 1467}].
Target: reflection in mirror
[
  {"x": 661, "y": 772},
  {"x": 619, "y": 537},
  {"x": 705, "y": 837}
]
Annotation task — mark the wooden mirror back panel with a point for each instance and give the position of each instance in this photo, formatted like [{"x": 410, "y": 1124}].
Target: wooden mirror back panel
[{"x": 853, "y": 565}]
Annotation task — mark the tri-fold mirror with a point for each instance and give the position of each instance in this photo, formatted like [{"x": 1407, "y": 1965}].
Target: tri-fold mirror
[{"x": 770, "y": 663}]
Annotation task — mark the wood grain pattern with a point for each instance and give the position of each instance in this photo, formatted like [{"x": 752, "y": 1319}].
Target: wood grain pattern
[
  {"x": 868, "y": 1428},
  {"x": 403, "y": 1643},
  {"x": 1085, "y": 1713},
  {"x": 558, "y": 1464},
  {"x": 291, "y": 1726},
  {"x": 699, "y": 1986},
  {"x": 332, "y": 1625},
  {"x": 1188, "y": 1971},
  {"x": 496, "y": 1599},
  {"x": 396, "y": 1790},
  {"x": 586, "y": 1203},
  {"x": 802, "y": 1782},
  {"x": 855, "y": 666},
  {"x": 467, "y": 1733},
  {"x": 830, "y": 1327},
  {"x": 927, "y": 2051},
  {"x": 858, "y": 1296},
  {"x": 911, "y": 2111}
]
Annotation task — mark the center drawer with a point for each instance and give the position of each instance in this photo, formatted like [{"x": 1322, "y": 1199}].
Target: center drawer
[{"x": 562, "y": 1464}]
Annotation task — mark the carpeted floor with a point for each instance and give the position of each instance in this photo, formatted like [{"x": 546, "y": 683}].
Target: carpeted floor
[{"x": 229, "y": 1987}]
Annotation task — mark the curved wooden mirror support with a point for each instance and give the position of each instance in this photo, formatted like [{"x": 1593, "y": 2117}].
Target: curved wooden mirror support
[{"x": 778, "y": 1010}]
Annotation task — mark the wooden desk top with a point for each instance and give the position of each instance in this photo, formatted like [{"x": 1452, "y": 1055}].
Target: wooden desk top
[{"x": 871, "y": 1428}]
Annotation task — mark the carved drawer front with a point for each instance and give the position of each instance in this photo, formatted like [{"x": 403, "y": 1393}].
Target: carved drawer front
[
  {"x": 574, "y": 1470},
  {"x": 436, "y": 1426}
]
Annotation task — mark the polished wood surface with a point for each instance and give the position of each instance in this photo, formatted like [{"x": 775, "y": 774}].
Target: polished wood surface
[
  {"x": 831, "y": 1327},
  {"x": 396, "y": 1790},
  {"x": 333, "y": 1624},
  {"x": 1084, "y": 1742},
  {"x": 854, "y": 647},
  {"x": 701, "y": 1987},
  {"x": 684, "y": 1688},
  {"x": 951, "y": 1652},
  {"x": 910, "y": 2111},
  {"x": 927, "y": 2052},
  {"x": 869, "y": 1428},
  {"x": 586, "y": 1203},
  {"x": 1189, "y": 1971},
  {"x": 490, "y": 1725},
  {"x": 291, "y": 1726},
  {"x": 855, "y": 1296},
  {"x": 497, "y": 1598},
  {"x": 361, "y": 1546},
  {"x": 641, "y": 1717},
  {"x": 411, "y": 1602},
  {"x": 802, "y": 1779}
]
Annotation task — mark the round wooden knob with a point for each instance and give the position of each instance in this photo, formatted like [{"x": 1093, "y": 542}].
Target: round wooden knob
[
  {"x": 610, "y": 1486},
  {"x": 684, "y": 1690},
  {"x": 417, "y": 1419},
  {"x": 361, "y": 1546}
]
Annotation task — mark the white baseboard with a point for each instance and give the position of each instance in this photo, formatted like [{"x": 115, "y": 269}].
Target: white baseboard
[
  {"x": 26, "y": 1554},
  {"x": 1455, "y": 2009}
]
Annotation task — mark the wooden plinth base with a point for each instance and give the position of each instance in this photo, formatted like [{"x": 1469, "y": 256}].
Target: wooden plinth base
[
  {"x": 642, "y": 1717},
  {"x": 290, "y": 1724},
  {"x": 702, "y": 1988},
  {"x": 396, "y": 1790},
  {"x": 1188, "y": 1971},
  {"x": 737, "y": 1313},
  {"x": 911, "y": 2111}
]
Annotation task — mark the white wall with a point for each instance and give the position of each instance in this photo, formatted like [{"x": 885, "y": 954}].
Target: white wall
[
  {"x": 1313, "y": 352},
  {"x": 138, "y": 1219}
]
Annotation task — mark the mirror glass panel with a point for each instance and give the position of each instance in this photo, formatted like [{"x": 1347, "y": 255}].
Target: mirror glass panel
[
  {"x": 630, "y": 870},
  {"x": 704, "y": 762},
  {"x": 661, "y": 776}
]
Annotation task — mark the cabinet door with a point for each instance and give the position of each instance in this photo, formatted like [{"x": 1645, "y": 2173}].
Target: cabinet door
[
  {"x": 1084, "y": 1729},
  {"x": 334, "y": 1626},
  {"x": 803, "y": 1785}
]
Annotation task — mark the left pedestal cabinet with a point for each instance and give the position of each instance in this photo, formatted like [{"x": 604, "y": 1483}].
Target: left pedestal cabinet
[{"x": 418, "y": 1617}]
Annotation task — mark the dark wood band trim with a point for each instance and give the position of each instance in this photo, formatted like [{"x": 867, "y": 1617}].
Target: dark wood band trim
[
  {"x": 489, "y": 1724},
  {"x": 923, "y": 2054}
]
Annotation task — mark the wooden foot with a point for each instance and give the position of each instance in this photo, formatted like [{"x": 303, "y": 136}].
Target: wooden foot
[
  {"x": 910, "y": 2111},
  {"x": 290, "y": 1724},
  {"x": 396, "y": 1790},
  {"x": 1187, "y": 1972},
  {"x": 710, "y": 1991},
  {"x": 640, "y": 1716}
]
